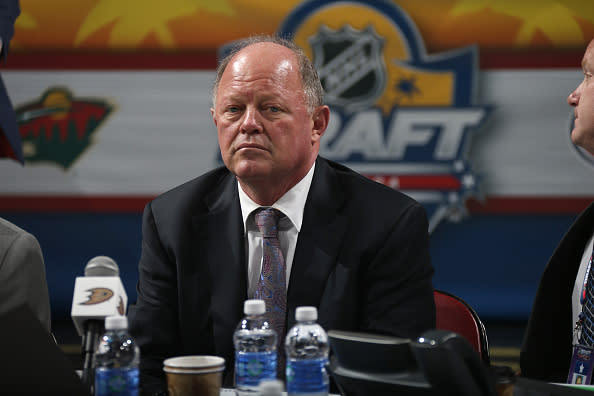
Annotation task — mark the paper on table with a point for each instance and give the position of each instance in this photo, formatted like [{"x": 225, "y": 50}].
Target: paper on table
[{"x": 585, "y": 387}]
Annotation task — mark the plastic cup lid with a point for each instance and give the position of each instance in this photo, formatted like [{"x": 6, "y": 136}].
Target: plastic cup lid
[{"x": 194, "y": 364}]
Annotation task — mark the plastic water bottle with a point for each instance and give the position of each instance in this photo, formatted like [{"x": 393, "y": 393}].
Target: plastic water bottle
[
  {"x": 116, "y": 360},
  {"x": 255, "y": 348},
  {"x": 306, "y": 345}
]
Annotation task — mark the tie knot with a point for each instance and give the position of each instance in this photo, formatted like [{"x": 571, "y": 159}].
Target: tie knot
[{"x": 267, "y": 222}]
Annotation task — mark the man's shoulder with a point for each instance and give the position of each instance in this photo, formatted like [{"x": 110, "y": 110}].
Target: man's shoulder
[
  {"x": 362, "y": 187},
  {"x": 193, "y": 190}
]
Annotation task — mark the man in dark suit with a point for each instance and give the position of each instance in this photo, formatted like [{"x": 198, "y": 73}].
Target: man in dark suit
[
  {"x": 547, "y": 349},
  {"x": 355, "y": 249}
]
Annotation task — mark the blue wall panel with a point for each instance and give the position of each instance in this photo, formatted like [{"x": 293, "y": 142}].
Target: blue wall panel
[
  {"x": 495, "y": 261},
  {"x": 492, "y": 261}
]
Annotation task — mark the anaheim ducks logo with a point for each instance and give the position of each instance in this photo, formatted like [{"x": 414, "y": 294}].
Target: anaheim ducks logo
[
  {"x": 99, "y": 295},
  {"x": 121, "y": 308}
]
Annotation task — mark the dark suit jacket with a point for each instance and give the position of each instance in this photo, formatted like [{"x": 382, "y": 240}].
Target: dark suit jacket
[
  {"x": 546, "y": 351},
  {"x": 362, "y": 258},
  {"x": 22, "y": 273}
]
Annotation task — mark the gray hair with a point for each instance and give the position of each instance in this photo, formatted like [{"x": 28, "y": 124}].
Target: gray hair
[{"x": 312, "y": 87}]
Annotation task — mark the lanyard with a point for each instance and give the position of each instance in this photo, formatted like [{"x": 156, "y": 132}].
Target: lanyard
[
  {"x": 583, "y": 294},
  {"x": 579, "y": 323}
]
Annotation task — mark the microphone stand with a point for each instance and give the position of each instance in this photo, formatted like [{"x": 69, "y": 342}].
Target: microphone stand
[{"x": 93, "y": 329}]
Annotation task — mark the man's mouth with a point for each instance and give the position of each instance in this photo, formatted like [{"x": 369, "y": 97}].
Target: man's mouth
[{"x": 249, "y": 146}]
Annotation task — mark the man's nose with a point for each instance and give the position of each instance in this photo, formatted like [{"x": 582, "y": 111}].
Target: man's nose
[
  {"x": 251, "y": 121},
  {"x": 573, "y": 98}
]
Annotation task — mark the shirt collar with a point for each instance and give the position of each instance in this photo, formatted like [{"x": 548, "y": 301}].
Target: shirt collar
[{"x": 291, "y": 204}]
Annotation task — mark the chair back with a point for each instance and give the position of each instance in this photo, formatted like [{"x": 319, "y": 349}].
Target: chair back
[{"x": 455, "y": 314}]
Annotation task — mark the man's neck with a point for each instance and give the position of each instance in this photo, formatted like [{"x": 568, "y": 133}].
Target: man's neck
[
  {"x": 266, "y": 191},
  {"x": 265, "y": 194}
]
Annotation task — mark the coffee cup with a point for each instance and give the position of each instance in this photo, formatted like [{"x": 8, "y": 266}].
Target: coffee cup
[{"x": 194, "y": 375}]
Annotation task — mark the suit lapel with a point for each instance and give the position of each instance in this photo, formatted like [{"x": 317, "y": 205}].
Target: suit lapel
[
  {"x": 319, "y": 240},
  {"x": 570, "y": 249},
  {"x": 221, "y": 235}
]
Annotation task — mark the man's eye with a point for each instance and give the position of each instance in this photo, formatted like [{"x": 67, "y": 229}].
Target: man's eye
[
  {"x": 232, "y": 109},
  {"x": 274, "y": 109}
]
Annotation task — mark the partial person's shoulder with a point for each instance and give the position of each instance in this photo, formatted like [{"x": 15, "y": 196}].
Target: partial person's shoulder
[
  {"x": 6, "y": 227},
  {"x": 13, "y": 236}
]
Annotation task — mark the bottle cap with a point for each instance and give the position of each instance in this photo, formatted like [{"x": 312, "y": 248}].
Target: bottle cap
[
  {"x": 306, "y": 314},
  {"x": 254, "y": 307},
  {"x": 116, "y": 322},
  {"x": 270, "y": 387}
]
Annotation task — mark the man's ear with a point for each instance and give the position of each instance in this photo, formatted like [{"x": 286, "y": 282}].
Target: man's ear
[
  {"x": 320, "y": 118},
  {"x": 213, "y": 114}
]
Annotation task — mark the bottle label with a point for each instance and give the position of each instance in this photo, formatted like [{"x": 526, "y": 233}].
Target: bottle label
[
  {"x": 307, "y": 376},
  {"x": 116, "y": 382},
  {"x": 252, "y": 367}
]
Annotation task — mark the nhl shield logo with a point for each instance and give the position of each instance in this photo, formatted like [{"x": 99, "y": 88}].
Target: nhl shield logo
[
  {"x": 400, "y": 116},
  {"x": 350, "y": 65}
]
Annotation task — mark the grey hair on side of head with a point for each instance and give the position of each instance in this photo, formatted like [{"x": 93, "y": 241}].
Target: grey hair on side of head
[{"x": 312, "y": 87}]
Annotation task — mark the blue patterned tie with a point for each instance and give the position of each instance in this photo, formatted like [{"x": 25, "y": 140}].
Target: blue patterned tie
[
  {"x": 587, "y": 315},
  {"x": 272, "y": 284}
]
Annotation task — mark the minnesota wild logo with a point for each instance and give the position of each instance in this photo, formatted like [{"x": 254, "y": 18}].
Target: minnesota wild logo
[{"x": 58, "y": 127}]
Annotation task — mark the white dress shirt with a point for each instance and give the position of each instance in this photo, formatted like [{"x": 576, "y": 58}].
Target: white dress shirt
[
  {"x": 291, "y": 205},
  {"x": 579, "y": 282}
]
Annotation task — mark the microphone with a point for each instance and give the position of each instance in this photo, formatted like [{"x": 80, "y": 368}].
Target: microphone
[
  {"x": 100, "y": 293},
  {"x": 102, "y": 266}
]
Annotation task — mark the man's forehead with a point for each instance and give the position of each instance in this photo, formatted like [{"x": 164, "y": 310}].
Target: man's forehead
[
  {"x": 264, "y": 48},
  {"x": 254, "y": 66}
]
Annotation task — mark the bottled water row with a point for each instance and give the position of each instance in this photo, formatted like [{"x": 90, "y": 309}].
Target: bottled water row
[{"x": 256, "y": 355}]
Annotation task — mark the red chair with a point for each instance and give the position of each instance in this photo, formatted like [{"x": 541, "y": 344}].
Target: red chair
[{"x": 454, "y": 314}]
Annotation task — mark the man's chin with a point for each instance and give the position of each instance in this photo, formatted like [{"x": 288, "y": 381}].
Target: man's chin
[
  {"x": 589, "y": 149},
  {"x": 583, "y": 140},
  {"x": 250, "y": 170}
]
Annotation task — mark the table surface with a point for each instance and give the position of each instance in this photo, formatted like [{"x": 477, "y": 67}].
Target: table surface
[{"x": 231, "y": 392}]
